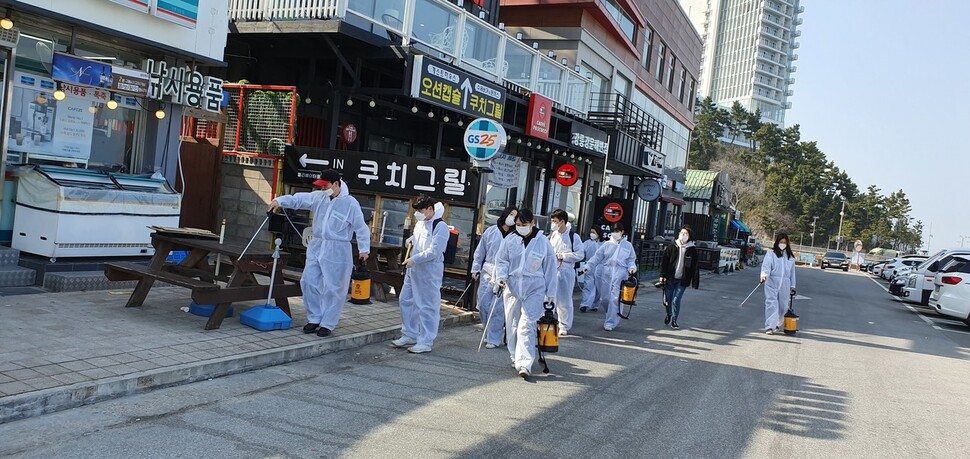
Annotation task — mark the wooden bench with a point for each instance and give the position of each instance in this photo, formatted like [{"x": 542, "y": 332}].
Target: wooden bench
[{"x": 126, "y": 271}]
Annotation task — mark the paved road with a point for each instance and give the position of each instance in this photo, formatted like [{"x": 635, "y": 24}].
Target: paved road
[{"x": 865, "y": 377}]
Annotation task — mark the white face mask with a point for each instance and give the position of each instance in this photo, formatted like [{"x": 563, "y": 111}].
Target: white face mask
[
  {"x": 327, "y": 191},
  {"x": 684, "y": 238},
  {"x": 616, "y": 236},
  {"x": 594, "y": 236},
  {"x": 523, "y": 230},
  {"x": 782, "y": 246},
  {"x": 419, "y": 216},
  {"x": 509, "y": 221}
]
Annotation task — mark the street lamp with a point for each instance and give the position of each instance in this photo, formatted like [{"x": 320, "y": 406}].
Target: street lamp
[
  {"x": 814, "y": 220},
  {"x": 841, "y": 219}
]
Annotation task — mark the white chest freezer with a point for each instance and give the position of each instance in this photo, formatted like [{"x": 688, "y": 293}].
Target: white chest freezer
[{"x": 65, "y": 212}]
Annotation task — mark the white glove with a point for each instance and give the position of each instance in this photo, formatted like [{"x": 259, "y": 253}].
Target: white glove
[
  {"x": 633, "y": 270},
  {"x": 498, "y": 286},
  {"x": 476, "y": 276},
  {"x": 550, "y": 299}
]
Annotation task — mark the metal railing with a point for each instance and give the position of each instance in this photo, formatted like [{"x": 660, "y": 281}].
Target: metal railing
[
  {"x": 270, "y": 10},
  {"x": 444, "y": 28},
  {"x": 613, "y": 110}
]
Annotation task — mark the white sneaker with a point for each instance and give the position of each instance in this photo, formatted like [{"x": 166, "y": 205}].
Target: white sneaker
[
  {"x": 490, "y": 346},
  {"x": 523, "y": 372},
  {"x": 562, "y": 332},
  {"x": 607, "y": 328},
  {"x": 770, "y": 331},
  {"x": 404, "y": 341},
  {"x": 419, "y": 349}
]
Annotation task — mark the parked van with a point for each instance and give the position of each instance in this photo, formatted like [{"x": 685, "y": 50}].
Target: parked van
[{"x": 885, "y": 253}]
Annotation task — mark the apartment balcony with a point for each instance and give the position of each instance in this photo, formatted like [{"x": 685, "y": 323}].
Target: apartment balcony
[
  {"x": 794, "y": 57},
  {"x": 766, "y": 18},
  {"x": 432, "y": 26},
  {"x": 795, "y": 45},
  {"x": 801, "y": 9},
  {"x": 798, "y": 21},
  {"x": 787, "y": 105},
  {"x": 797, "y": 33},
  {"x": 792, "y": 69},
  {"x": 637, "y": 135},
  {"x": 789, "y": 93},
  {"x": 791, "y": 80}
]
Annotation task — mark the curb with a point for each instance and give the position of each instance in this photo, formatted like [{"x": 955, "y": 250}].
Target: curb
[{"x": 61, "y": 398}]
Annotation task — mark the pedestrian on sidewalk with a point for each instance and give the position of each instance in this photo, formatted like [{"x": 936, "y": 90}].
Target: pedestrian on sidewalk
[
  {"x": 590, "y": 294},
  {"x": 526, "y": 268},
  {"x": 778, "y": 275},
  {"x": 569, "y": 252},
  {"x": 483, "y": 270},
  {"x": 420, "y": 297},
  {"x": 679, "y": 269},
  {"x": 614, "y": 261},
  {"x": 329, "y": 257}
]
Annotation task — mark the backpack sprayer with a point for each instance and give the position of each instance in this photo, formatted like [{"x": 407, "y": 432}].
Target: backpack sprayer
[
  {"x": 791, "y": 320},
  {"x": 628, "y": 295},
  {"x": 548, "y": 334}
]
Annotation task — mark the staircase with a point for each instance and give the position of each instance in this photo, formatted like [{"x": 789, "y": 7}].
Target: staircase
[{"x": 11, "y": 274}]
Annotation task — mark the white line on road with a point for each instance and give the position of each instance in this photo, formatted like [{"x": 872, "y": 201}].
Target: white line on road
[{"x": 928, "y": 321}]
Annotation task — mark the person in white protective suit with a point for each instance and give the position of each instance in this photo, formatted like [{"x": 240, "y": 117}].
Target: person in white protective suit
[
  {"x": 483, "y": 270},
  {"x": 778, "y": 275},
  {"x": 329, "y": 258},
  {"x": 526, "y": 271},
  {"x": 615, "y": 260},
  {"x": 590, "y": 295},
  {"x": 420, "y": 297},
  {"x": 569, "y": 251}
]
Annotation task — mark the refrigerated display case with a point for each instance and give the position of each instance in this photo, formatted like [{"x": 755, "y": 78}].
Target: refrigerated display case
[{"x": 67, "y": 212}]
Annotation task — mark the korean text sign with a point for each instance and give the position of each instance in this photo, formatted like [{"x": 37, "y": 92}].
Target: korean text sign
[
  {"x": 384, "y": 174},
  {"x": 445, "y": 86}
]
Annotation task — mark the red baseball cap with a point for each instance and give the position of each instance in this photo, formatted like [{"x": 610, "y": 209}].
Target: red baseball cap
[{"x": 326, "y": 178}]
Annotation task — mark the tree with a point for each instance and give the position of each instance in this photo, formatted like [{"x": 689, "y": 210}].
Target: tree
[{"x": 739, "y": 118}]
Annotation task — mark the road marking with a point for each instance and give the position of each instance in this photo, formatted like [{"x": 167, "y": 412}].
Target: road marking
[
  {"x": 928, "y": 321},
  {"x": 801, "y": 297}
]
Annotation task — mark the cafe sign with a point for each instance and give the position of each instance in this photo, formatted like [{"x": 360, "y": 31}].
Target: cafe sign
[
  {"x": 540, "y": 117},
  {"x": 383, "y": 173},
  {"x": 440, "y": 84},
  {"x": 589, "y": 138}
]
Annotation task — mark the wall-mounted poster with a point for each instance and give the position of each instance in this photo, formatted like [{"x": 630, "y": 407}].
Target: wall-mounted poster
[{"x": 43, "y": 126}]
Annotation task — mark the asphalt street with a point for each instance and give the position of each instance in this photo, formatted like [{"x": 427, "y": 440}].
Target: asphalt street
[{"x": 866, "y": 376}]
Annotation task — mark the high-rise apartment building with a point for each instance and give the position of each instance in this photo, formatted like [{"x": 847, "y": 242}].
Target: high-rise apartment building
[{"x": 749, "y": 52}]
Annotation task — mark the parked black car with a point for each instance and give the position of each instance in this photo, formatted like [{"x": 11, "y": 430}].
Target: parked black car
[{"x": 835, "y": 260}]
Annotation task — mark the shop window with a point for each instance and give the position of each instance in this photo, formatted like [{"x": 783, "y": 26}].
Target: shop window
[
  {"x": 394, "y": 215},
  {"x": 461, "y": 219}
]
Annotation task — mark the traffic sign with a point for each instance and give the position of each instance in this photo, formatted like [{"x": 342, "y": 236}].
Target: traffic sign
[{"x": 484, "y": 139}]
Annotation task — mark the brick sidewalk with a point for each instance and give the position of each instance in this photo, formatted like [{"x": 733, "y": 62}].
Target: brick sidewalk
[{"x": 60, "y": 350}]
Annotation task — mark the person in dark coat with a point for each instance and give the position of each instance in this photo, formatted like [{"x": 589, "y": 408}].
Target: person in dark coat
[{"x": 679, "y": 269}]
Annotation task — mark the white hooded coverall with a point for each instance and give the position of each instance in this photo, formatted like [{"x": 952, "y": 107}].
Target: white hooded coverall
[
  {"x": 528, "y": 268},
  {"x": 329, "y": 258},
  {"x": 589, "y": 279},
  {"x": 571, "y": 252},
  {"x": 484, "y": 263},
  {"x": 613, "y": 262},
  {"x": 420, "y": 297},
  {"x": 780, "y": 273}
]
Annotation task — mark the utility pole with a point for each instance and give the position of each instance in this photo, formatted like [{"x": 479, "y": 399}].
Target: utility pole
[
  {"x": 814, "y": 219},
  {"x": 841, "y": 219}
]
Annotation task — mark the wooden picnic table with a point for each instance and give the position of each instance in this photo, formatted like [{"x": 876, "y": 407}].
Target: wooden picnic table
[{"x": 194, "y": 272}]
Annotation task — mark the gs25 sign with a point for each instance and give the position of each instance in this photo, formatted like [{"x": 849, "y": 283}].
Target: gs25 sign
[{"x": 484, "y": 139}]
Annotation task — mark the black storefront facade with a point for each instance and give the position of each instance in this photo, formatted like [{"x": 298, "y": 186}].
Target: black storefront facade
[{"x": 392, "y": 119}]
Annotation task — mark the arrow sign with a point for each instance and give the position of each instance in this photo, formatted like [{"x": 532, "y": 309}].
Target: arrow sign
[
  {"x": 466, "y": 87},
  {"x": 304, "y": 161}
]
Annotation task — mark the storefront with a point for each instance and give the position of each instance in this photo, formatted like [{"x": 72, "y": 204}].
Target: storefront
[{"x": 83, "y": 90}]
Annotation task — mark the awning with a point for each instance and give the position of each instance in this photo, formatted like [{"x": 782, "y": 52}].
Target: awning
[
  {"x": 739, "y": 225},
  {"x": 674, "y": 201}
]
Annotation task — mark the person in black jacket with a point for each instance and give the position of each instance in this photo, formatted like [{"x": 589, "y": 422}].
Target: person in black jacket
[{"x": 678, "y": 269}]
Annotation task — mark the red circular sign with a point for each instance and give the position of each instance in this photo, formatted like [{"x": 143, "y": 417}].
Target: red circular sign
[
  {"x": 566, "y": 175},
  {"x": 613, "y": 212},
  {"x": 349, "y": 133}
]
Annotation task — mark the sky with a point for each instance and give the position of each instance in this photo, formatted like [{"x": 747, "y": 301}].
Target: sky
[{"x": 883, "y": 86}]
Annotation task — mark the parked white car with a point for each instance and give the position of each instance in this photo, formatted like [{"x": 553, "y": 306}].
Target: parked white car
[
  {"x": 951, "y": 293},
  {"x": 919, "y": 282},
  {"x": 905, "y": 265},
  {"x": 893, "y": 265}
]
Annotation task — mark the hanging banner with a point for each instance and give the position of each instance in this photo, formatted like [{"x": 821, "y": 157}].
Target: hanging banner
[
  {"x": 505, "y": 171},
  {"x": 182, "y": 12},
  {"x": 539, "y": 119},
  {"x": 73, "y": 69},
  {"x": 384, "y": 174}
]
